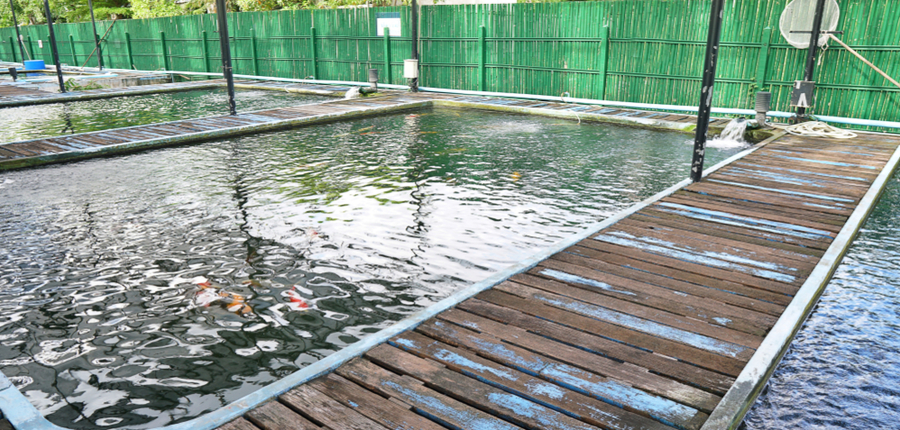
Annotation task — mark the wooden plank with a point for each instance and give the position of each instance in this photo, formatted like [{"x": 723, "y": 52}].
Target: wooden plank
[
  {"x": 436, "y": 405},
  {"x": 770, "y": 198},
  {"x": 725, "y": 272},
  {"x": 564, "y": 268},
  {"x": 325, "y": 410},
  {"x": 275, "y": 416},
  {"x": 731, "y": 288},
  {"x": 713, "y": 382},
  {"x": 559, "y": 371},
  {"x": 626, "y": 336},
  {"x": 497, "y": 402},
  {"x": 574, "y": 404},
  {"x": 373, "y": 406},
  {"x": 722, "y": 225},
  {"x": 238, "y": 424},
  {"x": 809, "y": 214}
]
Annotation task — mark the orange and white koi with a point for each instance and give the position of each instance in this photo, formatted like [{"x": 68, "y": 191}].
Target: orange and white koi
[
  {"x": 210, "y": 294},
  {"x": 295, "y": 300}
]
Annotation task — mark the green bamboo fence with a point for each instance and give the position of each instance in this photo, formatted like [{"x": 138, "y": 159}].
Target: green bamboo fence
[{"x": 648, "y": 51}]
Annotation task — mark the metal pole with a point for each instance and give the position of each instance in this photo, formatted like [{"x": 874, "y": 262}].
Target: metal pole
[
  {"x": 18, "y": 36},
  {"x": 226, "y": 54},
  {"x": 709, "y": 79},
  {"x": 414, "y": 35},
  {"x": 53, "y": 51},
  {"x": 813, "y": 48},
  {"x": 96, "y": 36}
]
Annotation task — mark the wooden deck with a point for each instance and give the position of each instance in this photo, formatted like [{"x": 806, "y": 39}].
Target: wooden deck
[
  {"x": 12, "y": 96},
  {"x": 643, "y": 325}
]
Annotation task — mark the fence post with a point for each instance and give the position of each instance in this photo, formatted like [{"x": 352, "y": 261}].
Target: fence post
[
  {"x": 205, "y": 51},
  {"x": 604, "y": 60},
  {"x": 387, "y": 56},
  {"x": 312, "y": 51},
  {"x": 129, "y": 51},
  {"x": 763, "y": 59},
  {"x": 12, "y": 46},
  {"x": 72, "y": 47},
  {"x": 253, "y": 51},
  {"x": 482, "y": 56},
  {"x": 165, "y": 56},
  {"x": 30, "y": 48}
]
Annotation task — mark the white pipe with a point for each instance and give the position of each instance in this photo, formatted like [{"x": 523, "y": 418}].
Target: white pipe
[{"x": 677, "y": 108}]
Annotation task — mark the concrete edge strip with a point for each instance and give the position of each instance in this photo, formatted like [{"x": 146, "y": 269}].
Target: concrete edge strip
[
  {"x": 737, "y": 401},
  {"x": 588, "y": 116},
  {"x": 23, "y": 415}
]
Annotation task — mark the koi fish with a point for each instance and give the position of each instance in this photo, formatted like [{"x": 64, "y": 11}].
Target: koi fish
[
  {"x": 516, "y": 176},
  {"x": 370, "y": 133},
  {"x": 210, "y": 294},
  {"x": 427, "y": 132},
  {"x": 295, "y": 300},
  {"x": 365, "y": 129}
]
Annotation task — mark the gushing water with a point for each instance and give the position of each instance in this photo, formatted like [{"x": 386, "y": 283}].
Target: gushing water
[
  {"x": 732, "y": 136},
  {"x": 352, "y": 93}
]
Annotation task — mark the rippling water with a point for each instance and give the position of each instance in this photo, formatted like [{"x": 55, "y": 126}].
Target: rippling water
[
  {"x": 843, "y": 369},
  {"x": 104, "y": 322},
  {"x": 34, "y": 122}
]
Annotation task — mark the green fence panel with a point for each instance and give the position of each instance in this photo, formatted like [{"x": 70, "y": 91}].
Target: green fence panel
[{"x": 653, "y": 52}]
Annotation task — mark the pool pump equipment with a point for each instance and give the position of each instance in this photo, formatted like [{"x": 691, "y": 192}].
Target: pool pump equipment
[
  {"x": 373, "y": 82},
  {"x": 763, "y": 102}
]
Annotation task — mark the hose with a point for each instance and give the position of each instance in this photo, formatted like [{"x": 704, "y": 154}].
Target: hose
[{"x": 818, "y": 129}]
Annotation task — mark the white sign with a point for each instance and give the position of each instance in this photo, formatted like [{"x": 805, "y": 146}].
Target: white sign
[
  {"x": 389, "y": 20},
  {"x": 40, "y": 43}
]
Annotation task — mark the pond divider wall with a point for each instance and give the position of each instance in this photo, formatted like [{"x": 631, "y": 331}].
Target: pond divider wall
[{"x": 591, "y": 50}]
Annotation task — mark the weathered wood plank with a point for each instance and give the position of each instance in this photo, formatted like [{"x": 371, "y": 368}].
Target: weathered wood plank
[
  {"x": 326, "y": 410},
  {"x": 275, "y": 416},
  {"x": 239, "y": 424},
  {"x": 373, "y": 406}
]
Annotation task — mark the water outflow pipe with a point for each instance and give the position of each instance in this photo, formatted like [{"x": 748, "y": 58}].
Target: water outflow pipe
[
  {"x": 763, "y": 101},
  {"x": 53, "y": 51},
  {"x": 373, "y": 83}
]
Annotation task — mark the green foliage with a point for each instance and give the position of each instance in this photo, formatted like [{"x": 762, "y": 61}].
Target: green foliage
[{"x": 74, "y": 85}]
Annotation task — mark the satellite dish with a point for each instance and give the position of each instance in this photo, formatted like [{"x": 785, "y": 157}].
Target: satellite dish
[{"x": 797, "y": 21}]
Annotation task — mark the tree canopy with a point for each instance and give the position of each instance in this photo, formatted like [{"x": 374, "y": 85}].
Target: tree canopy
[{"x": 32, "y": 11}]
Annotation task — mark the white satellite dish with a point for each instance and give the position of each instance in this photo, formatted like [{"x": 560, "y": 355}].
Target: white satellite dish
[{"x": 797, "y": 21}]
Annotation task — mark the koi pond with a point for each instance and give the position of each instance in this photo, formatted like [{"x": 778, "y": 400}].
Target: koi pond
[
  {"x": 843, "y": 369},
  {"x": 38, "y": 121},
  {"x": 151, "y": 288}
]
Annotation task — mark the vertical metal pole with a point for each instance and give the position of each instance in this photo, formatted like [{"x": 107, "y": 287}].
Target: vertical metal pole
[
  {"x": 205, "y": 43},
  {"x": 72, "y": 46},
  {"x": 414, "y": 35},
  {"x": 96, "y": 36},
  {"x": 312, "y": 53},
  {"x": 129, "y": 51},
  {"x": 53, "y": 52},
  {"x": 706, "y": 94},
  {"x": 226, "y": 54},
  {"x": 482, "y": 54},
  {"x": 387, "y": 56},
  {"x": 16, "y": 25},
  {"x": 604, "y": 61},
  {"x": 813, "y": 48}
]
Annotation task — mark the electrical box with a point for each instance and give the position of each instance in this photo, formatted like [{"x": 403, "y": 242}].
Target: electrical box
[
  {"x": 411, "y": 69},
  {"x": 803, "y": 94}
]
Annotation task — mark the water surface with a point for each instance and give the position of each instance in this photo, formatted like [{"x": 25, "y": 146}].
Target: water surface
[
  {"x": 104, "y": 323},
  {"x": 38, "y": 121},
  {"x": 843, "y": 369}
]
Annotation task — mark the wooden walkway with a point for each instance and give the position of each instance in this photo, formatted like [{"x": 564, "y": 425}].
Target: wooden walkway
[
  {"x": 643, "y": 325},
  {"x": 12, "y": 96}
]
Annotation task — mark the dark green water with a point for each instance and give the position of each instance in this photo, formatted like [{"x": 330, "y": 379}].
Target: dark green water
[
  {"x": 34, "y": 122},
  {"x": 367, "y": 221}
]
